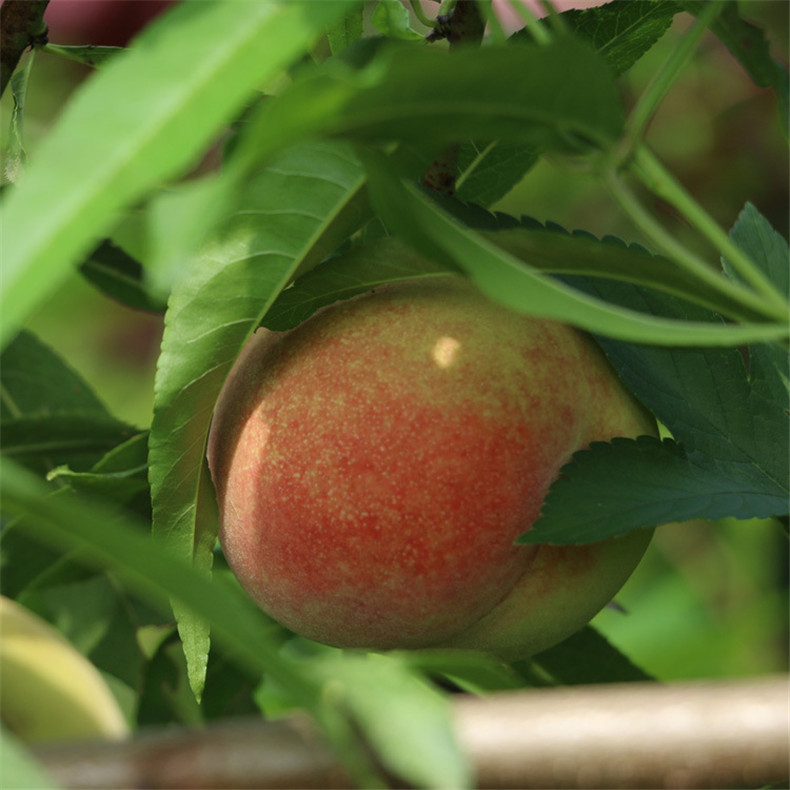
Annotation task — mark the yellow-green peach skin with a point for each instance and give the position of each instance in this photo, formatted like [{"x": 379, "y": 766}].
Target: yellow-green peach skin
[{"x": 375, "y": 465}]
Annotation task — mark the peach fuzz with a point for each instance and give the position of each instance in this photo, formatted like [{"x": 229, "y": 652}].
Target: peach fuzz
[{"x": 375, "y": 465}]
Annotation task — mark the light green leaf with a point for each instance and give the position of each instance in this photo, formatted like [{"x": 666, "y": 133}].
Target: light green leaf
[
  {"x": 89, "y": 55},
  {"x": 391, "y": 18},
  {"x": 292, "y": 214},
  {"x": 144, "y": 118},
  {"x": 19, "y": 769},
  {"x": 347, "y": 31},
  {"x": 406, "y": 721}
]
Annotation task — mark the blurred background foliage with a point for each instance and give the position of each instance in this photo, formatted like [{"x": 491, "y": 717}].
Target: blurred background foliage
[{"x": 709, "y": 600}]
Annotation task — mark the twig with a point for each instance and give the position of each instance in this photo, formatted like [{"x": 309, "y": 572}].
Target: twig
[
  {"x": 464, "y": 25},
  {"x": 21, "y": 26},
  {"x": 685, "y": 735}
]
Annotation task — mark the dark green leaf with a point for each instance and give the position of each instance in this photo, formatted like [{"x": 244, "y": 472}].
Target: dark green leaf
[
  {"x": 26, "y": 563},
  {"x": 36, "y": 380},
  {"x": 74, "y": 438},
  {"x": 120, "y": 276},
  {"x": 165, "y": 695},
  {"x": 362, "y": 268},
  {"x": 705, "y": 396},
  {"x": 48, "y": 414},
  {"x": 553, "y": 250},
  {"x": 99, "y": 620},
  {"x": 613, "y": 487},
  {"x": 487, "y": 172},
  {"x": 586, "y": 657},
  {"x": 766, "y": 247},
  {"x": 228, "y": 690},
  {"x": 120, "y": 476},
  {"x": 623, "y": 30}
]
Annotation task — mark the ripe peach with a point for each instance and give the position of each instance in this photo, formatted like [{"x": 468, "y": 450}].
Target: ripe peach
[{"x": 375, "y": 465}]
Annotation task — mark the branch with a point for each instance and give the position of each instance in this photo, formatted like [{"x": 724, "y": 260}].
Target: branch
[
  {"x": 22, "y": 25},
  {"x": 685, "y": 735}
]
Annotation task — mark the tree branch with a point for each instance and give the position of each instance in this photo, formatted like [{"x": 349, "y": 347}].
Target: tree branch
[
  {"x": 685, "y": 735},
  {"x": 22, "y": 25}
]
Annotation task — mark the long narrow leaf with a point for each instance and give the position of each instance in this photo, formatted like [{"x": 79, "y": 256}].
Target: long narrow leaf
[
  {"x": 295, "y": 212},
  {"x": 144, "y": 118}
]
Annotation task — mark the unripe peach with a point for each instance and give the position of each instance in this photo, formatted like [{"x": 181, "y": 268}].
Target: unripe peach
[{"x": 375, "y": 465}]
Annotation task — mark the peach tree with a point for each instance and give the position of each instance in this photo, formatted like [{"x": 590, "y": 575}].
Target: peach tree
[{"x": 244, "y": 165}]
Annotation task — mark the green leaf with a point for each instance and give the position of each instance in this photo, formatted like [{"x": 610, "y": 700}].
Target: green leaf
[
  {"x": 120, "y": 276},
  {"x": 416, "y": 728},
  {"x": 726, "y": 418},
  {"x": 347, "y": 31},
  {"x": 292, "y": 214},
  {"x": 388, "y": 98},
  {"x": 15, "y": 155},
  {"x": 121, "y": 475},
  {"x": 165, "y": 694},
  {"x": 586, "y": 657},
  {"x": 144, "y": 118},
  {"x": 88, "y": 55},
  {"x": 405, "y": 720},
  {"x": 766, "y": 247},
  {"x": 99, "y": 619},
  {"x": 119, "y": 543},
  {"x": 553, "y": 250},
  {"x": 48, "y": 414},
  {"x": 62, "y": 437},
  {"x": 422, "y": 223},
  {"x": 623, "y": 30},
  {"x": 391, "y": 18},
  {"x": 360, "y": 269},
  {"x": 620, "y": 32},
  {"x": 422, "y": 94},
  {"x": 486, "y": 173},
  {"x": 712, "y": 404},
  {"x": 36, "y": 380},
  {"x": 19, "y": 769},
  {"x": 631, "y": 483},
  {"x": 472, "y": 671}
]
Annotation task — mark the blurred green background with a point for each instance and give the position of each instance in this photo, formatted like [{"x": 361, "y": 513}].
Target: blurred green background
[{"x": 709, "y": 600}]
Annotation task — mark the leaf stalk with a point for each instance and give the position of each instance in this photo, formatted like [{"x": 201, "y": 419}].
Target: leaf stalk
[
  {"x": 682, "y": 256},
  {"x": 663, "y": 184}
]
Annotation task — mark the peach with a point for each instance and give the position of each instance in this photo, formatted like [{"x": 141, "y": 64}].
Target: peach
[{"x": 375, "y": 465}]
